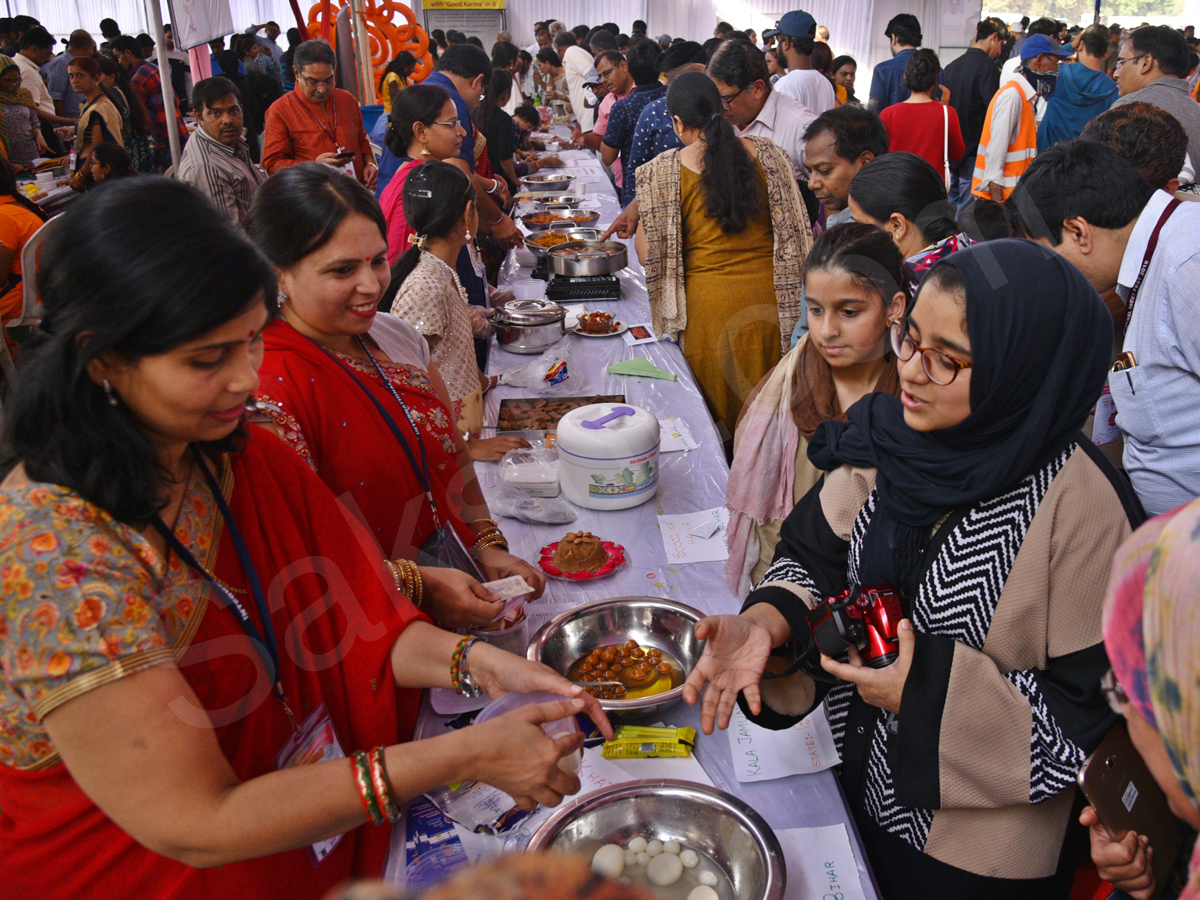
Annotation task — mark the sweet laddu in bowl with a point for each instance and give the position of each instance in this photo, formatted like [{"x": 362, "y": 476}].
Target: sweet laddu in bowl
[{"x": 597, "y": 323}]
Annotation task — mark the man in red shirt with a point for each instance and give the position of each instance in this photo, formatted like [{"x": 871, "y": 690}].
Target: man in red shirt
[{"x": 318, "y": 122}]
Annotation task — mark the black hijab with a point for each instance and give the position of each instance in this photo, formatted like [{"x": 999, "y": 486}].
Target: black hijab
[{"x": 1041, "y": 343}]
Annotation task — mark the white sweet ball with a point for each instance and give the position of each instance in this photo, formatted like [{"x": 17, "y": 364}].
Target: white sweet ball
[
  {"x": 672, "y": 847},
  {"x": 609, "y": 861},
  {"x": 654, "y": 848},
  {"x": 703, "y": 892},
  {"x": 630, "y": 857},
  {"x": 707, "y": 878},
  {"x": 644, "y": 858},
  {"x": 637, "y": 844},
  {"x": 664, "y": 869},
  {"x": 689, "y": 858}
]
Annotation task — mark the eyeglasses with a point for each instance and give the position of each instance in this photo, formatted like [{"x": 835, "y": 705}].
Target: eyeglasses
[
  {"x": 1121, "y": 62},
  {"x": 317, "y": 82},
  {"x": 727, "y": 102},
  {"x": 1113, "y": 692},
  {"x": 606, "y": 72},
  {"x": 942, "y": 368},
  {"x": 449, "y": 123}
]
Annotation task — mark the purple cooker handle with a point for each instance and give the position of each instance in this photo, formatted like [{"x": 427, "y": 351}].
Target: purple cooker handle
[{"x": 617, "y": 412}]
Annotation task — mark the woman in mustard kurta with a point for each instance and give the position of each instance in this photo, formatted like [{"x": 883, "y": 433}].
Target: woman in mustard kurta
[{"x": 723, "y": 238}]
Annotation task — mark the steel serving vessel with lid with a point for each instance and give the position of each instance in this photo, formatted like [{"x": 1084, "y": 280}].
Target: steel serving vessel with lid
[{"x": 529, "y": 326}]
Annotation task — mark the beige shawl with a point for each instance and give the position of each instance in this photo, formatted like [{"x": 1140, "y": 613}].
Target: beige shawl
[{"x": 659, "y": 205}]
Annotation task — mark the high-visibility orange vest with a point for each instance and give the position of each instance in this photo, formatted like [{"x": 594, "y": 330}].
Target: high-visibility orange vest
[{"x": 1020, "y": 152}]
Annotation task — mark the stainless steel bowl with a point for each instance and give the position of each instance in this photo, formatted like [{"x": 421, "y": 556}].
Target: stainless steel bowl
[
  {"x": 567, "y": 199},
  {"x": 703, "y": 818},
  {"x": 555, "y": 183},
  {"x": 529, "y": 326},
  {"x": 651, "y": 621},
  {"x": 571, "y": 234},
  {"x": 570, "y": 218},
  {"x": 616, "y": 259}
]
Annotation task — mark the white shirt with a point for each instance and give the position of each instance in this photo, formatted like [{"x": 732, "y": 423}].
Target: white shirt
[
  {"x": 809, "y": 87},
  {"x": 1006, "y": 120},
  {"x": 1007, "y": 71},
  {"x": 784, "y": 121},
  {"x": 577, "y": 62},
  {"x": 32, "y": 81},
  {"x": 1156, "y": 400}
]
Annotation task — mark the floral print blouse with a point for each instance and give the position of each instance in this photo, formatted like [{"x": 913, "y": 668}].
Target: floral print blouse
[{"x": 85, "y": 600}]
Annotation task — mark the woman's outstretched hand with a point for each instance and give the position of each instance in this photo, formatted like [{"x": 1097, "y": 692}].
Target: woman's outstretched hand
[{"x": 734, "y": 658}]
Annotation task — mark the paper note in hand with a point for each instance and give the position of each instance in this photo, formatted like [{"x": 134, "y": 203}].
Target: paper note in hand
[
  {"x": 760, "y": 754},
  {"x": 513, "y": 586}
]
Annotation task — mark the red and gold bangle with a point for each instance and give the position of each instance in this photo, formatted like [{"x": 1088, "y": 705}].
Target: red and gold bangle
[
  {"x": 383, "y": 788},
  {"x": 395, "y": 570},
  {"x": 366, "y": 792}
]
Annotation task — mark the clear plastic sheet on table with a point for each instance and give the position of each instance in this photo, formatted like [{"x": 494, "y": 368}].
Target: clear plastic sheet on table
[{"x": 688, "y": 481}]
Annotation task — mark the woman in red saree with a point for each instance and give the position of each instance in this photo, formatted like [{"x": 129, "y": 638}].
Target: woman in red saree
[
  {"x": 140, "y": 724},
  {"x": 323, "y": 388}
]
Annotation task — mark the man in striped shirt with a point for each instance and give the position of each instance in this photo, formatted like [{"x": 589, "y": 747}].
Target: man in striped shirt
[{"x": 217, "y": 159}]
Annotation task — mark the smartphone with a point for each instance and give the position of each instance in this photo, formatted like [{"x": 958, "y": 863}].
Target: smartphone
[
  {"x": 1126, "y": 797},
  {"x": 344, "y": 156}
]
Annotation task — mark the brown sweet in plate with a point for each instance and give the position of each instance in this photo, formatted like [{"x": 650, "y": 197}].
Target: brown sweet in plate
[
  {"x": 596, "y": 323},
  {"x": 582, "y": 551}
]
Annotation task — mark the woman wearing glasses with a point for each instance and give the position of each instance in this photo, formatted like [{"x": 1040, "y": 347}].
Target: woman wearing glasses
[
  {"x": 974, "y": 499},
  {"x": 424, "y": 127}
]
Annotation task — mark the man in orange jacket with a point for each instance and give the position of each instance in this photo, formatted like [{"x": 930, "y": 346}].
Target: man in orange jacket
[{"x": 1009, "y": 139}]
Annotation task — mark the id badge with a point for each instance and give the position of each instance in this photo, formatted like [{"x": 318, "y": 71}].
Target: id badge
[
  {"x": 315, "y": 742},
  {"x": 1104, "y": 425}
]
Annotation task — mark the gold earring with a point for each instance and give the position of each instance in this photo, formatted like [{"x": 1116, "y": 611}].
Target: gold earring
[{"x": 425, "y": 151}]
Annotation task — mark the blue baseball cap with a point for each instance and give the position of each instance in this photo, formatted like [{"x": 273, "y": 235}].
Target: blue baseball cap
[
  {"x": 797, "y": 23},
  {"x": 1037, "y": 44}
]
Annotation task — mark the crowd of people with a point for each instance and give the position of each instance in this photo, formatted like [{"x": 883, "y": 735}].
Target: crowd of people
[{"x": 945, "y": 330}]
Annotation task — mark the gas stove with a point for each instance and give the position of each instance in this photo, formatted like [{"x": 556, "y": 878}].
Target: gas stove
[{"x": 572, "y": 289}]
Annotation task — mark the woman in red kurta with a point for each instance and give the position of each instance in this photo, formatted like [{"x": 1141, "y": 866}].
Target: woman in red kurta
[
  {"x": 146, "y": 538},
  {"x": 324, "y": 387}
]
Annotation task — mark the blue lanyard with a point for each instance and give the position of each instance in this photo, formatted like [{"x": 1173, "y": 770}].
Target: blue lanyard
[
  {"x": 264, "y": 643},
  {"x": 423, "y": 472}
]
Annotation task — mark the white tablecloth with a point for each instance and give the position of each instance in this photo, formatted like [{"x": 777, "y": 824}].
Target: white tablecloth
[{"x": 688, "y": 481}]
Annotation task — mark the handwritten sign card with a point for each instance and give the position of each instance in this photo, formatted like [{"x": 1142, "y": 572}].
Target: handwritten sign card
[
  {"x": 760, "y": 754},
  {"x": 820, "y": 863},
  {"x": 684, "y": 547}
]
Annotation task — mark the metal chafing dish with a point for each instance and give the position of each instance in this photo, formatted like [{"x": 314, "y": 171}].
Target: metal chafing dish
[
  {"x": 571, "y": 234},
  {"x": 577, "y": 258},
  {"x": 571, "y": 218},
  {"x": 554, "y": 183}
]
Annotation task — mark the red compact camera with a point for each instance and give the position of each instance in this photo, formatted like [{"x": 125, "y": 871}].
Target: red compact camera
[{"x": 862, "y": 617}]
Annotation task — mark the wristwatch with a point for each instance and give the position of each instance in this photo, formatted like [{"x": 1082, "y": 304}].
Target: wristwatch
[{"x": 467, "y": 686}]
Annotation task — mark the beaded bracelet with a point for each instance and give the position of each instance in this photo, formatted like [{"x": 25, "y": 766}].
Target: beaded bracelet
[
  {"x": 383, "y": 787},
  {"x": 462, "y": 682},
  {"x": 366, "y": 791}
]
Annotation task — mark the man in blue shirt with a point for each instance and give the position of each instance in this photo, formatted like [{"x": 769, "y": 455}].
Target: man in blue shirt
[
  {"x": 642, "y": 60},
  {"x": 887, "y": 84},
  {"x": 67, "y": 100},
  {"x": 654, "y": 133}
]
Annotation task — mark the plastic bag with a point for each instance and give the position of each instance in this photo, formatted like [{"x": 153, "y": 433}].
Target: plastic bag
[
  {"x": 516, "y": 504},
  {"x": 532, "y": 470},
  {"x": 552, "y": 374}
]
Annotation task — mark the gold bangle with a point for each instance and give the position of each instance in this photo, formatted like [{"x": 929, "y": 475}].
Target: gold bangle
[
  {"x": 394, "y": 569},
  {"x": 492, "y": 541},
  {"x": 418, "y": 596}
]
